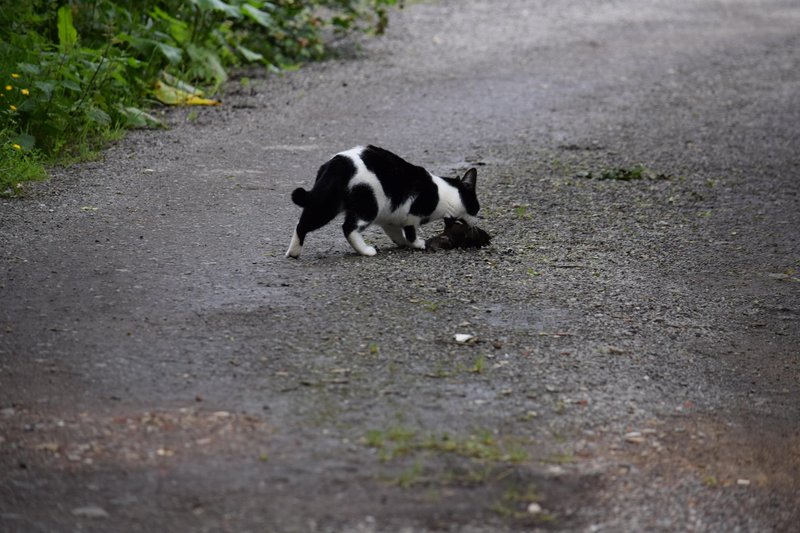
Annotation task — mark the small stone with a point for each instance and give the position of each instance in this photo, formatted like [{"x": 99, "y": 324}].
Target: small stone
[
  {"x": 534, "y": 508},
  {"x": 634, "y": 437},
  {"x": 743, "y": 482},
  {"x": 463, "y": 337},
  {"x": 90, "y": 511}
]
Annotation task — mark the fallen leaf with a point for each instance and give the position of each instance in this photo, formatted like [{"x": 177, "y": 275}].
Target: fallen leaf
[
  {"x": 48, "y": 446},
  {"x": 167, "y": 94}
]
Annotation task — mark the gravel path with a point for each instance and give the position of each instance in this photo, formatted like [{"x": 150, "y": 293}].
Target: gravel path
[{"x": 634, "y": 363}]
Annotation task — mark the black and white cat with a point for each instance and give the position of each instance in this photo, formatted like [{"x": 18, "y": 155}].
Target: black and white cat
[{"x": 374, "y": 186}]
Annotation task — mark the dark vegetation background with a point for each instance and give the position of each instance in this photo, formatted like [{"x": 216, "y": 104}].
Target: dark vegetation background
[{"x": 73, "y": 75}]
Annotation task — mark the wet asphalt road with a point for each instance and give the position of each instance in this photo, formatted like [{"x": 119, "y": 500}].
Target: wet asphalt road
[{"x": 635, "y": 363}]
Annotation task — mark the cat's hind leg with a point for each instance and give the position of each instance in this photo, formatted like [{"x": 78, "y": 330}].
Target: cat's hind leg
[
  {"x": 413, "y": 241},
  {"x": 312, "y": 218},
  {"x": 361, "y": 210}
]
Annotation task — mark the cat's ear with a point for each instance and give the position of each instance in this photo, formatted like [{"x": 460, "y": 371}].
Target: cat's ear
[{"x": 469, "y": 179}]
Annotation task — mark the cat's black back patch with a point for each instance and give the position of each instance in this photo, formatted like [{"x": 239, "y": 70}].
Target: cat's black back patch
[
  {"x": 401, "y": 180},
  {"x": 334, "y": 174}
]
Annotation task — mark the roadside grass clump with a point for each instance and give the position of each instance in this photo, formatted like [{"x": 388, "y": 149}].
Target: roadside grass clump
[
  {"x": 477, "y": 461},
  {"x": 634, "y": 173},
  {"x": 481, "y": 445},
  {"x": 515, "y": 503},
  {"x": 16, "y": 167},
  {"x": 74, "y": 74}
]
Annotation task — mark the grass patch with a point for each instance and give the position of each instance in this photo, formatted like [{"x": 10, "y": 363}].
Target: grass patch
[
  {"x": 637, "y": 172},
  {"x": 481, "y": 445},
  {"x": 16, "y": 167}
]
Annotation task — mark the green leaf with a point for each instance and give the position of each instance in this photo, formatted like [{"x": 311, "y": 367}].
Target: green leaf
[
  {"x": 136, "y": 118},
  {"x": 217, "y": 5},
  {"x": 95, "y": 114},
  {"x": 46, "y": 87},
  {"x": 29, "y": 68},
  {"x": 208, "y": 62},
  {"x": 26, "y": 141},
  {"x": 249, "y": 54},
  {"x": 173, "y": 54},
  {"x": 180, "y": 84},
  {"x": 261, "y": 17},
  {"x": 71, "y": 85},
  {"x": 67, "y": 34}
]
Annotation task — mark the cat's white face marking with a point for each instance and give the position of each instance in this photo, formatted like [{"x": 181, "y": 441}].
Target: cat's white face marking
[{"x": 450, "y": 205}]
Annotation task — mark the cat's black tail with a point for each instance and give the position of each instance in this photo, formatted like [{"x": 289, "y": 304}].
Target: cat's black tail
[{"x": 301, "y": 197}]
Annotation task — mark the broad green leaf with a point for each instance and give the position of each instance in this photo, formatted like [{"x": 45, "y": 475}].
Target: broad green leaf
[
  {"x": 178, "y": 29},
  {"x": 95, "y": 114},
  {"x": 180, "y": 84},
  {"x": 29, "y": 68},
  {"x": 249, "y": 54},
  {"x": 46, "y": 87},
  {"x": 136, "y": 118},
  {"x": 71, "y": 85},
  {"x": 209, "y": 62},
  {"x": 26, "y": 141},
  {"x": 261, "y": 17},
  {"x": 217, "y": 5},
  {"x": 172, "y": 54},
  {"x": 67, "y": 34}
]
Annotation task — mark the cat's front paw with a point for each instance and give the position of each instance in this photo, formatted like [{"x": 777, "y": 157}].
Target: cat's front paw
[
  {"x": 369, "y": 251},
  {"x": 419, "y": 244}
]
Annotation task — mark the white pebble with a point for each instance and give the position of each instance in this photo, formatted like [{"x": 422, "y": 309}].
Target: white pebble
[{"x": 90, "y": 511}]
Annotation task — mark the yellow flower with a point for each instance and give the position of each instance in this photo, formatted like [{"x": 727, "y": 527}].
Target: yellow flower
[
  {"x": 26, "y": 92},
  {"x": 15, "y": 76},
  {"x": 15, "y": 146},
  {"x": 8, "y": 87},
  {"x": 12, "y": 107}
]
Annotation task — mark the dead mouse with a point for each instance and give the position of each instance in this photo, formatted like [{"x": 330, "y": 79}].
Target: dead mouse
[{"x": 456, "y": 234}]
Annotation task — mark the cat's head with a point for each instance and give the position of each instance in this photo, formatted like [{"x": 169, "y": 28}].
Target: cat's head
[{"x": 469, "y": 196}]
